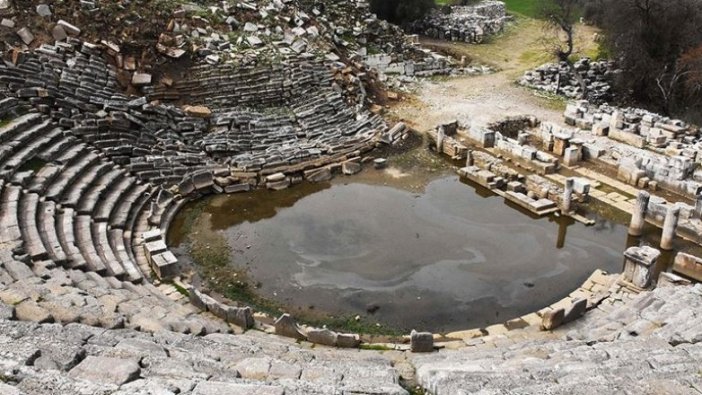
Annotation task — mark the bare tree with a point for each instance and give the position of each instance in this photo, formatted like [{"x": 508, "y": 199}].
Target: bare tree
[
  {"x": 657, "y": 45},
  {"x": 561, "y": 16}
]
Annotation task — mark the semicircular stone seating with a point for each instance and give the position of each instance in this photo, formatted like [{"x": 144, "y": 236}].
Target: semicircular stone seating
[{"x": 86, "y": 173}]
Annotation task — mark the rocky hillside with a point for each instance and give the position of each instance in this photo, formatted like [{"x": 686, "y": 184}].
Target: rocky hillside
[{"x": 163, "y": 38}]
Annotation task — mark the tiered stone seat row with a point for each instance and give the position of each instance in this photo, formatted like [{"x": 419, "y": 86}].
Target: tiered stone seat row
[
  {"x": 66, "y": 231},
  {"x": 85, "y": 173},
  {"x": 227, "y": 86},
  {"x": 650, "y": 345},
  {"x": 79, "y": 359},
  {"x": 73, "y": 83}
]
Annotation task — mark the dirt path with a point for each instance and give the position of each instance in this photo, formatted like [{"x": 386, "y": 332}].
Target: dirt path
[{"x": 481, "y": 99}]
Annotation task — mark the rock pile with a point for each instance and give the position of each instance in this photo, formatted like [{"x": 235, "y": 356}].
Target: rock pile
[
  {"x": 558, "y": 78},
  {"x": 340, "y": 34},
  {"x": 471, "y": 24}
]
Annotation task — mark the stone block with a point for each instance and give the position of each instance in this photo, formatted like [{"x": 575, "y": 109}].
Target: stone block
[
  {"x": 380, "y": 163},
  {"x": 196, "y": 299},
  {"x": 225, "y": 388},
  {"x": 348, "y": 340},
  {"x": 104, "y": 370},
  {"x": 155, "y": 247},
  {"x": 240, "y": 316},
  {"x": 666, "y": 279},
  {"x": 43, "y": 10},
  {"x": 552, "y": 319},
  {"x": 576, "y": 310},
  {"x": 638, "y": 265},
  {"x": 203, "y": 180},
  {"x": 152, "y": 235},
  {"x": 186, "y": 187},
  {"x": 421, "y": 341},
  {"x": 571, "y": 156},
  {"x": 276, "y": 177},
  {"x": 141, "y": 79},
  {"x": 198, "y": 111},
  {"x": 25, "y": 35},
  {"x": 235, "y": 188},
  {"x": 688, "y": 265},
  {"x": 278, "y": 185},
  {"x": 319, "y": 175},
  {"x": 450, "y": 128},
  {"x": 286, "y": 326},
  {"x": 351, "y": 167},
  {"x": 69, "y": 28},
  {"x": 581, "y": 186},
  {"x": 165, "y": 265},
  {"x": 324, "y": 337}
]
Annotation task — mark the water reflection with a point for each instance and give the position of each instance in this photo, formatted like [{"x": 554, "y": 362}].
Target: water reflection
[{"x": 453, "y": 257}]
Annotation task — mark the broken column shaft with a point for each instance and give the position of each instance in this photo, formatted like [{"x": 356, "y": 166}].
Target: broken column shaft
[
  {"x": 669, "y": 225},
  {"x": 568, "y": 195},
  {"x": 440, "y": 139},
  {"x": 638, "y": 217}
]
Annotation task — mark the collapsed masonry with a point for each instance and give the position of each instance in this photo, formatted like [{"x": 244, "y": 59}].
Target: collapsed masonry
[
  {"x": 342, "y": 34},
  {"x": 656, "y": 151},
  {"x": 471, "y": 24},
  {"x": 558, "y": 78},
  {"x": 431, "y": 64}
]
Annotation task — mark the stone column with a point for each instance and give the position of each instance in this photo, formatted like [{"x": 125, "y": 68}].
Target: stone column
[
  {"x": 639, "y": 263},
  {"x": 669, "y": 225},
  {"x": 469, "y": 158},
  {"x": 568, "y": 195},
  {"x": 698, "y": 206},
  {"x": 440, "y": 134},
  {"x": 638, "y": 217}
]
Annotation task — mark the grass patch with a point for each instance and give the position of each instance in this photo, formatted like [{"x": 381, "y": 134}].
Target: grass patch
[
  {"x": 551, "y": 100},
  {"x": 374, "y": 347},
  {"x": 181, "y": 290},
  {"x": 529, "y": 8}
]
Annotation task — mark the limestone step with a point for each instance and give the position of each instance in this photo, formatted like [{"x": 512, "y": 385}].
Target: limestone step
[{"x": 28, "y": 209}]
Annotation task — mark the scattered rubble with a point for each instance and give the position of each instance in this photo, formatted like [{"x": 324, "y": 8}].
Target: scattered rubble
[
  {"x": 596, "y": 76},
  {"x": 471, "y": 24},
  {"x": 656, "y": 151}
]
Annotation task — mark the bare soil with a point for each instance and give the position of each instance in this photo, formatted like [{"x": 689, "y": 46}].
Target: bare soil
[{"x": 477, "y": 100}]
